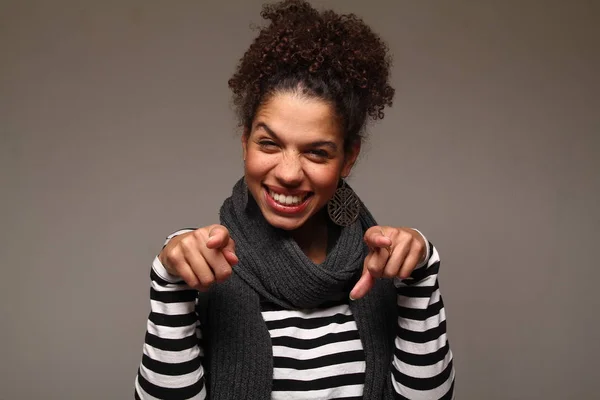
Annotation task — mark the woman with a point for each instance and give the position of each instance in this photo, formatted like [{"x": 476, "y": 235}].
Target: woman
[{"x": 298, "y": 293}]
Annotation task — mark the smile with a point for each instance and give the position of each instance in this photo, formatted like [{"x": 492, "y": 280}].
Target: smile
[{"x": 286, "y": 202}]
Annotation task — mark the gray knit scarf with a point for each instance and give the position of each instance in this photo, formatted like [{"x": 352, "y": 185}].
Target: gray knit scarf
[{"x": 238, "y": 350}]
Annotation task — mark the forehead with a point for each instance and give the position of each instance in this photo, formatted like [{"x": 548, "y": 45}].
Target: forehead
[{"x": 297, "y": 117}]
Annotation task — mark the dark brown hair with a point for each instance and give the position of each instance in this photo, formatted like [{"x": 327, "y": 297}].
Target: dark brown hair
[{"x": 334, "y": 57}]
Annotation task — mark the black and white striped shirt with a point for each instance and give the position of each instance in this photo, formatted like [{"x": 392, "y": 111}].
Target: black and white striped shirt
[{"x": 317, "y": 353}]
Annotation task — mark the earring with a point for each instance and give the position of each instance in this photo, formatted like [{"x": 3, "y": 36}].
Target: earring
[{"x": 343, "y": 208}]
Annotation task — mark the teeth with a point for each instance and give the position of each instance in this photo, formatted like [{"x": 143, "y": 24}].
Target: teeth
[{"x": 286, "y": 200}]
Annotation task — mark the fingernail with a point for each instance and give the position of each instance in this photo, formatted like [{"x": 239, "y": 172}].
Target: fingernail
[{"x": 351, "y": 298}]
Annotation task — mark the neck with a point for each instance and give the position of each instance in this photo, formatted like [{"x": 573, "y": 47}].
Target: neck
[{"x": 313, "y": 237}]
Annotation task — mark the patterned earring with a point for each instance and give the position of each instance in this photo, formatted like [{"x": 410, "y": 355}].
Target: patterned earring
[{"x": 343, "y": 208}]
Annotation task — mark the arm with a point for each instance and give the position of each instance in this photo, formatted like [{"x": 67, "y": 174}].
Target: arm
[
  {"x": 171, "y": 363},
  {"x": 422, "y": 363}
]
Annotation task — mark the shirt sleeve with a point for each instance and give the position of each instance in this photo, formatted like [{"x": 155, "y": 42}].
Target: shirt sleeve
[
  {"x": 171, "y": 366},
  {"x": 422, "y": 367},
  {"x": 427, "y": 249}
]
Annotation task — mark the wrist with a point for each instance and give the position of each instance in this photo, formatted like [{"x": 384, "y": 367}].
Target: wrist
[{"x": 163, "y": 272}]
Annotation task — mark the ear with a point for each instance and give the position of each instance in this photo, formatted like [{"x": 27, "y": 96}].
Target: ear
[
  {"x": 245, "y": 137},
  {"x": 350, "y": 159}
]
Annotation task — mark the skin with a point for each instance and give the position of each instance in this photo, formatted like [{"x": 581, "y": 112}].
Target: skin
[{"x": 294, "y": 147}]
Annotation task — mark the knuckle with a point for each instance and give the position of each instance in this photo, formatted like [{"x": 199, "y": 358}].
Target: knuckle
[
  {"x": 405, "y": 235},
  {"x": 388, "y": 274},
  {"x": 200, "y": 234},
  {"x": 172, "y": 257},
  {"x": 190, "y": 279},
  {"x": 404, "y": 274},
  {"x": 374, "y": 269},
  {"x": 188, "y": 243},
  {"x": 207, "y": 279},
  {"x": 418, "y": 245},
  {"x": 400, "y": 246},
  {"x": 223, "y": 274}
]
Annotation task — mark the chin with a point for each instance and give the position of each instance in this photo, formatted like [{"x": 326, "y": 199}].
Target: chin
[{"x": 285, "y": 223}]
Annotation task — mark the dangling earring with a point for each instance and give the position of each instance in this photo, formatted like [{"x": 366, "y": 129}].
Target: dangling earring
[{"x": 343, "y": 208}]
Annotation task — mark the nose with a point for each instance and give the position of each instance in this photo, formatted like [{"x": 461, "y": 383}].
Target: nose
[{"x": 289, "y": 171}]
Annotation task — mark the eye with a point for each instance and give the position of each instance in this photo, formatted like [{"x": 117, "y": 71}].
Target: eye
[
  {"x": 267, "y": 144},
  {"x": 319, "y": 154}
]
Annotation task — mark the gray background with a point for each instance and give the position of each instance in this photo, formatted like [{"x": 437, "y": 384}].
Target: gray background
[{"x": 116, "y": 129}]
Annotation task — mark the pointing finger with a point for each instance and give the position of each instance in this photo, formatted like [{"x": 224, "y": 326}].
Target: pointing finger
[
  {"x": 376, "y": 261},
  {"x": 363, "y": 286}
]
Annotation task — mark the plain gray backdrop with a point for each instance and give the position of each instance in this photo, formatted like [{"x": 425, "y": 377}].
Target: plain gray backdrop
[{"x": 116, "y": 129}]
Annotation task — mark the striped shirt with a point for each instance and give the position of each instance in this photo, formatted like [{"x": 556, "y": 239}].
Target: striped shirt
[{"x": 317, "y": 353}]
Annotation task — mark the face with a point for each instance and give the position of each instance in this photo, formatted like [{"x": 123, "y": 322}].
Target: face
[{"x": 294, "y": 158}]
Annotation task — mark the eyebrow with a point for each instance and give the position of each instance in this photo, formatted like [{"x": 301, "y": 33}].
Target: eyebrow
[{"x": 326, "y": 143}]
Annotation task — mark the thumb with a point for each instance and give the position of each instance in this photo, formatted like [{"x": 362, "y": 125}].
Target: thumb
[
  {"x": 363, "y": 286},
  {"x": 375, "y": 238},
  {"x": 218, "y": 237}
]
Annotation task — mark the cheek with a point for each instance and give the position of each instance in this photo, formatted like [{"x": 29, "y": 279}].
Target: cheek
[
  {"x": 326, "y": 178},
  {"x": 256, "y": 164}
]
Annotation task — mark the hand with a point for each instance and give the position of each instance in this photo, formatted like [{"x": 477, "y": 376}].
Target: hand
[
  {"x": 201, "y": 257},
  {"x": 394, "y": 253}
]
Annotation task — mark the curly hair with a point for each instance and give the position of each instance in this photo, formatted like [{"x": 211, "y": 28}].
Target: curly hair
[{"x": 334, "y": 57}]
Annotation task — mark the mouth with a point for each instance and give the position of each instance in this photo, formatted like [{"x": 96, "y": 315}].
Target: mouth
[{"x": 287, "y": 202}]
